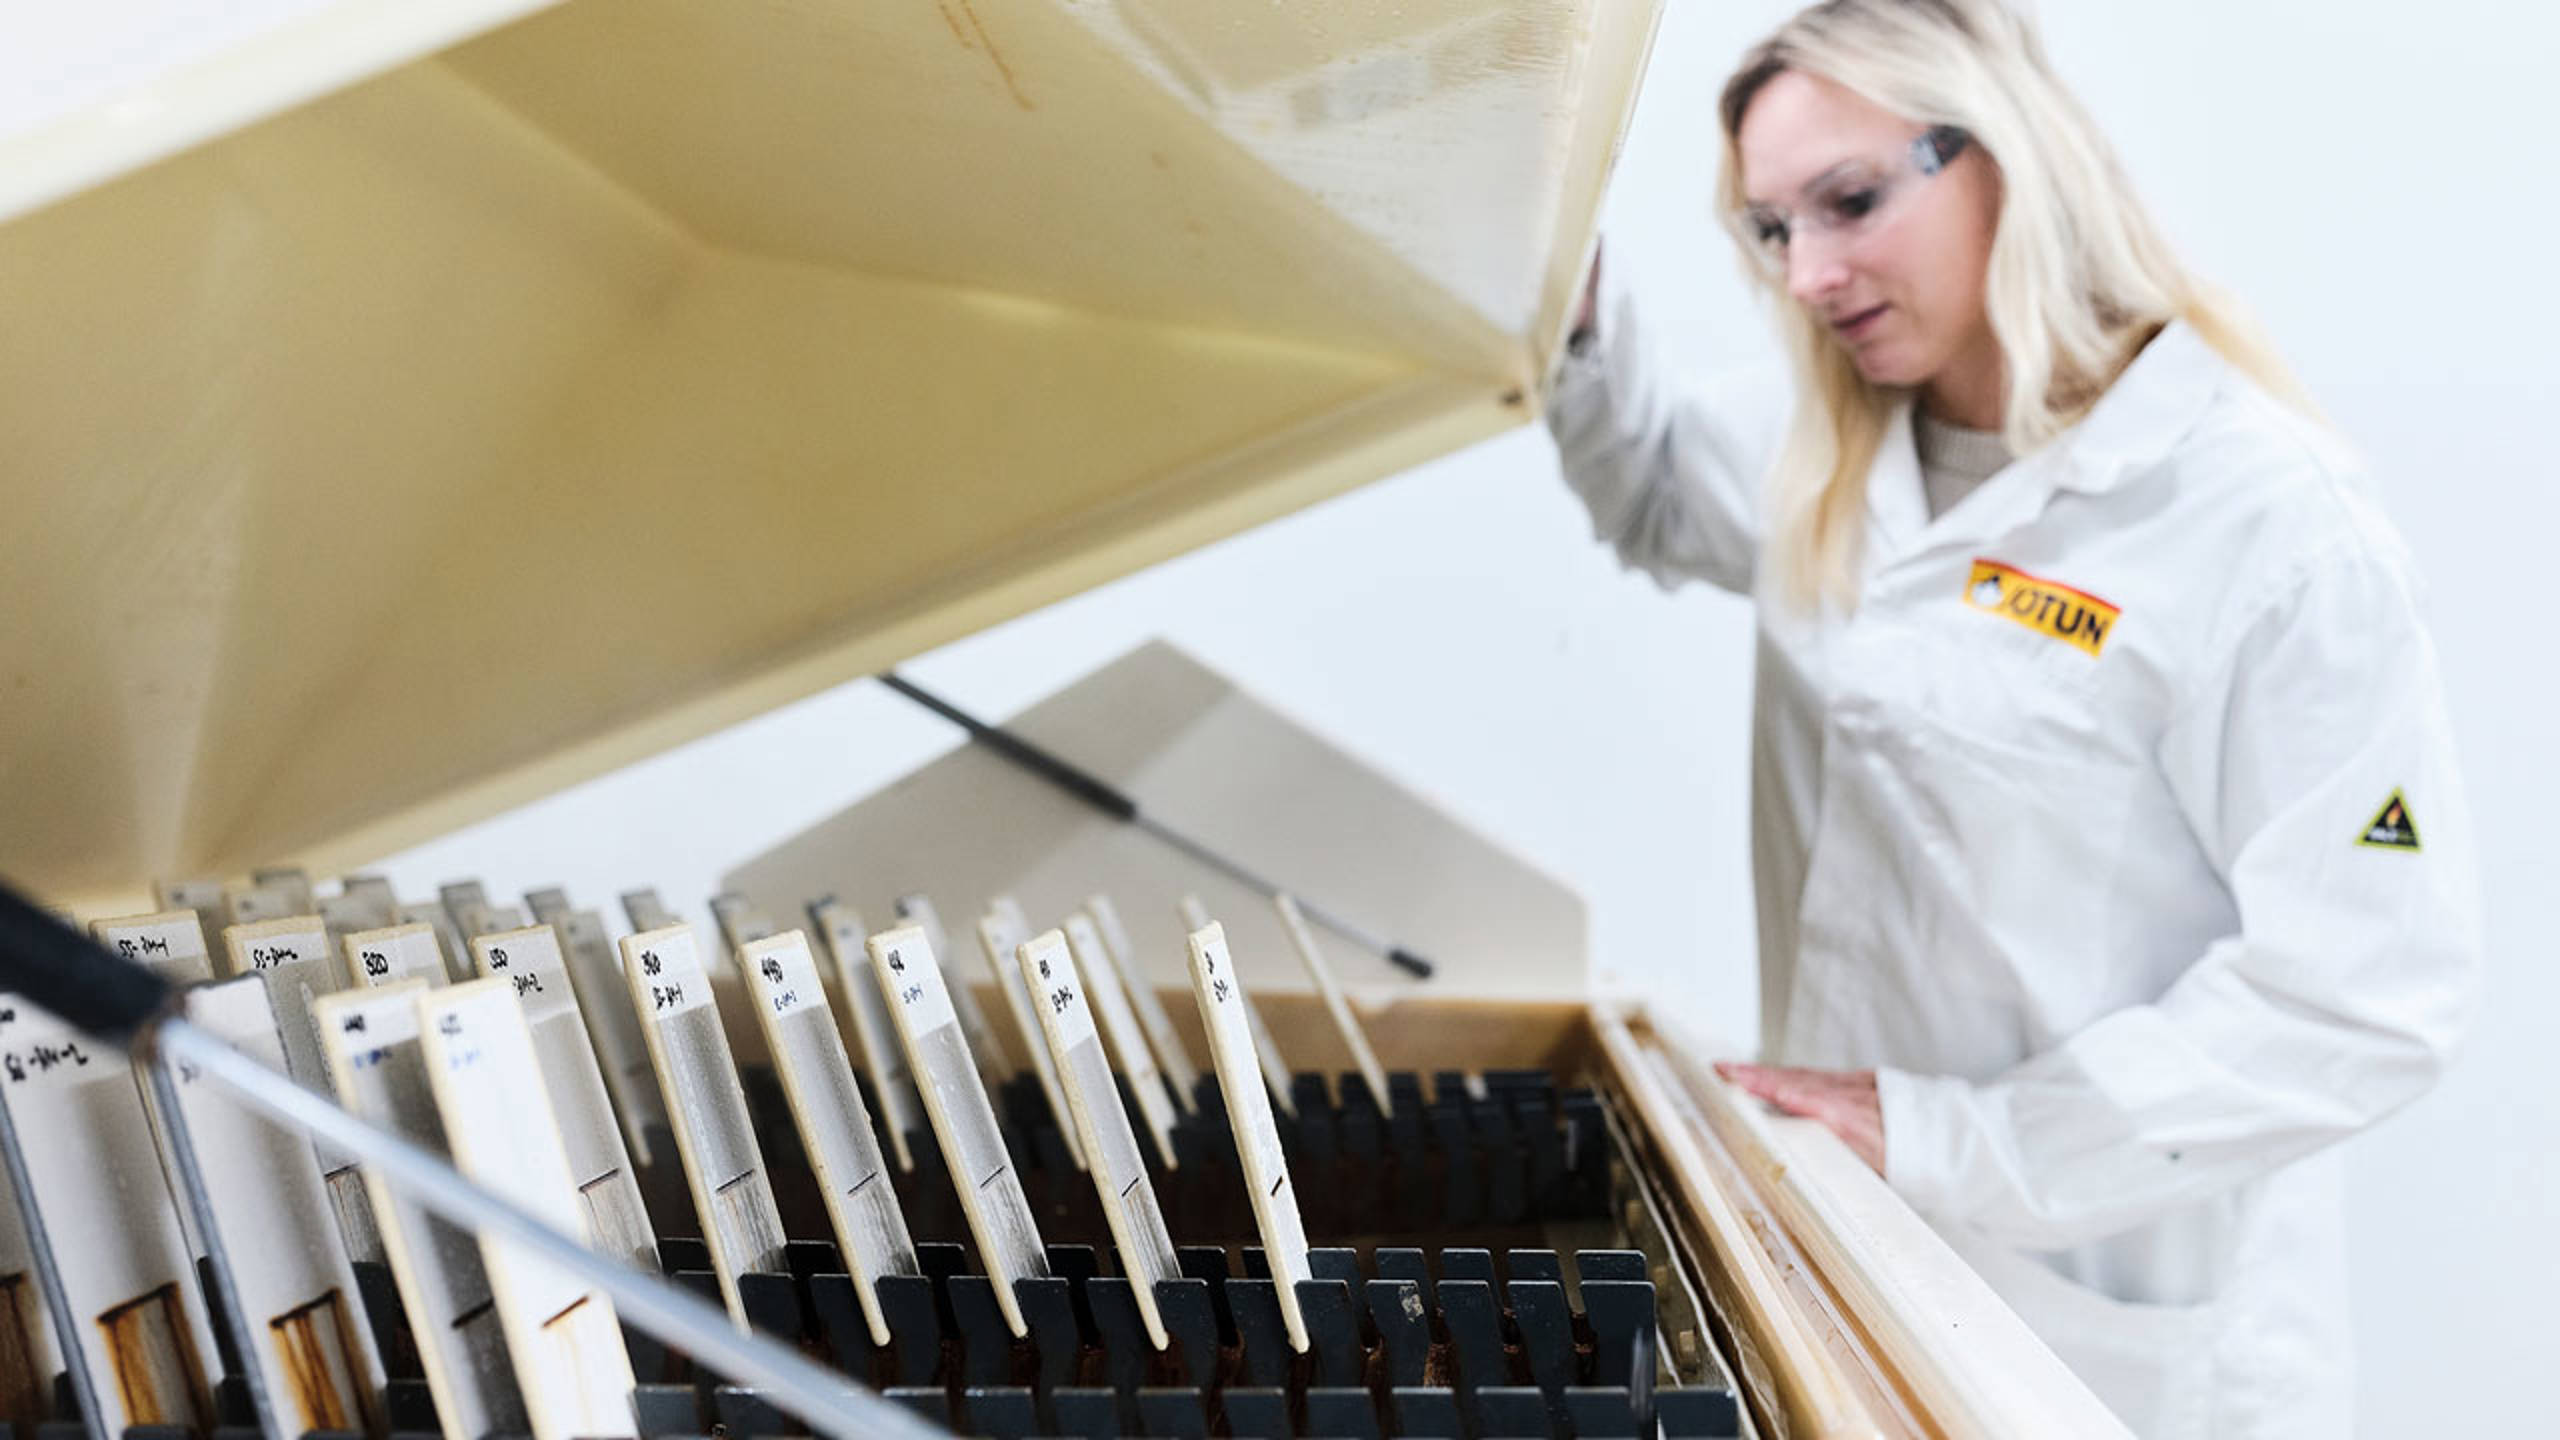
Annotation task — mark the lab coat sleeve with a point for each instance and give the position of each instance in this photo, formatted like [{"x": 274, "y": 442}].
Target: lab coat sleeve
[
  {"x": 1669, "y": 468},
  {"x": 2337, "y": 1002}
]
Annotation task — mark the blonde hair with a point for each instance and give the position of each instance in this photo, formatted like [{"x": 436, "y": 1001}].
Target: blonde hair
[{"x": 2079, "y": 278}]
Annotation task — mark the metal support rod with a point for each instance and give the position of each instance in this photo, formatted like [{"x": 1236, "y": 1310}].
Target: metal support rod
[
  {"x": 1111, "y": 800},
  {"x": 57, "y": 1301},
  {"x": 208, "y": 1225},
  {"x": 830, "y": 1403}
]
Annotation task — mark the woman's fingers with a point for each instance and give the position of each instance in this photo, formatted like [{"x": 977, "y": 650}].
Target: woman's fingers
[
  {"x": 1796, "y": 1091},
  {"x": 1842, "y": 1101}
]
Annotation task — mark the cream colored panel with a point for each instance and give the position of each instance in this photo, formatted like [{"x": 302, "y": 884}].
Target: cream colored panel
[
  {"x": 1329, "y": 96},
  {"x": 754, "y": 345},
  {"x": 991, "y": 144},
  {"x": 680, "y": 455},
  {"x": 785, "y": 452},
  {"x": 103, "y": 89},
  {"x": 1210, "y": 759},
  {"x": 245, "y": 399}
]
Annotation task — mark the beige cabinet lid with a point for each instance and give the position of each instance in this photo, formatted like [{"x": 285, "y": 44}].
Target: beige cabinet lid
[{"x": 409, "y": 409}]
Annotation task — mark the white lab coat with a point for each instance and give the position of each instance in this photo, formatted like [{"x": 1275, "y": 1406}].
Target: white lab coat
[{"x": 2098, "y": 914}]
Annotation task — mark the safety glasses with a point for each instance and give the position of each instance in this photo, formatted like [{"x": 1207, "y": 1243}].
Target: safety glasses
[{"x": 1852, "y": 198}]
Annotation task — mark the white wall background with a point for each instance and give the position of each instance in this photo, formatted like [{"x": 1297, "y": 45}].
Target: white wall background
[{"x": 2371, "y": 175}]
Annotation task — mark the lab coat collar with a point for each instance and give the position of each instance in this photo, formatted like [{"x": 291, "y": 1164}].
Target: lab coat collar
[
  {"x": 2149, "y": 409},
  {"x": 2152, "y": 405},
  {"x": 1897, "y": 506}
]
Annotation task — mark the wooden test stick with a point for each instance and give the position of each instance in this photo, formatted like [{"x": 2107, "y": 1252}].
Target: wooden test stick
[
  {"x": 1119, "y": 1171},
  {"x": 363, "y": 902},
  {"x": 375, "y": 891},
  {"x": 604, "y": 1002},
  {"x": 1336, "y": 1003},
  {"x": 723, "y": 1165},
  {"x": 170, "y": 943},
  {"x": 458, "y": 895},
  {"x": 112, "y": 1227},
  {"x": 875, "y": 1033},
  {"x": 202, "y": 896},
  {"x": 998, "y": 937},
  {"x": 344, "y": 915},
  {"x": 1266, "y": 1046},
  {"x": 1010, "y": 911},
  {"x": 645, "y": 910},
  {"x": 294, "y": 958},
  {"x": 563, "y": 1338},
  {"x": 1266, "y": 1168},
  {"x": 990, "y": 1192},
  {"x": 256, "y": 905},
  {"x": 292, "y": 882},
  {"x": 1120, "y": 1026},
  {"x": 599, "y": 1165},
  {"x": 401, "y": 953},
  {"x": 1180, "y": 1073},
  {"x": 28, "y": 1360},
  {"x": 479, "y": 920},
  {"x": 381, "y": 1075},
  {"x": 739, "y": 920},
  {"x": 827, "y": 1109},
  {"x": 280, "y": 1231},
  {"x": 457, "y": 959},
  {"x": 986, "y": 1048}
]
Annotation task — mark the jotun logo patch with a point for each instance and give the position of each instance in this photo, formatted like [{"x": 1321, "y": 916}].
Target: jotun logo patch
[{"x": 2056, "y": 612}]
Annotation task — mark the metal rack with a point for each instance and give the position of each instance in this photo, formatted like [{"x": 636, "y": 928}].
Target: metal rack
[{"x": 1510, "y": 1335}]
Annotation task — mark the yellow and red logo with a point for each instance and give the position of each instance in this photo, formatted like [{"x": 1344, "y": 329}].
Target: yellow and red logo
[{"x": 2058, "y": 612}]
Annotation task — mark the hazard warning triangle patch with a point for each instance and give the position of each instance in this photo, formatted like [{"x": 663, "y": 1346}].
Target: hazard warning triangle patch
[{"x": 2391, "y": 827}]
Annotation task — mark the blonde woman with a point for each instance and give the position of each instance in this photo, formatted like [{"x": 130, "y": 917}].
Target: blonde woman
[{"x": 2111, "y": 860}]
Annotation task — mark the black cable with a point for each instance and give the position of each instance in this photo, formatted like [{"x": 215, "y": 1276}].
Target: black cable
[{"x": 50, "y": 964}]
